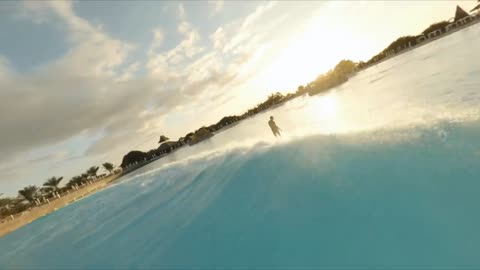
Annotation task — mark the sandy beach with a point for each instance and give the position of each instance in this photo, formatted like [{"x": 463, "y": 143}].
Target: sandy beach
[{"x": 9, "y": 225}]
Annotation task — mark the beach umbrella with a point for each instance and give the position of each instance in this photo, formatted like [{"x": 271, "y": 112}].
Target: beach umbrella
[
  {"x": 477, "y": 7},
  {"x": 460, "y": 14},
  {"x": 163, "y": 139}
]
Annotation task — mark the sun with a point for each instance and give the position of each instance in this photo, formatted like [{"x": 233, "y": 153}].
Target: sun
[
  {"x": 307, "y": 54},
  {"x": 326, "y": 107},
  {"x": 326, "y": 114}
]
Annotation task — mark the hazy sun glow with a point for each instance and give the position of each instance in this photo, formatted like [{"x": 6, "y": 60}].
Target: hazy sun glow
[
  {"x": 327, "y": 106},
  {"x": 323, "y": 43},
  {"x": 337, "y": 31},
  {"x": 326, "y": 111}
]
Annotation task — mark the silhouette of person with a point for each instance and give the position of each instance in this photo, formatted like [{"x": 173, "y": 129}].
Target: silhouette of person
[{"x": 274, "y": 127}]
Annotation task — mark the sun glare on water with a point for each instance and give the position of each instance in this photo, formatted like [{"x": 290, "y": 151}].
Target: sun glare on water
[
  {"x": 327, "y": 106},
  {"x": 327, "y": 115}
]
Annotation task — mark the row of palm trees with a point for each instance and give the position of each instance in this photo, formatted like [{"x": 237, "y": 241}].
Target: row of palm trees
[{"x": 51, "y": 187}]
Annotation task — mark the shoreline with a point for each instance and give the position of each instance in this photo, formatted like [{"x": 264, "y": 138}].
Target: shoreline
[
  {"x": 26, "y": 217},
  {"x": 426, "y": 42},
  {"x": 8, "y": 225}
]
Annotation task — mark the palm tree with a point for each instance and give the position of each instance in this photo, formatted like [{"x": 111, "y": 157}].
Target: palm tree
[
  {"x": 76, "y": 180},
  {"x": 108, "y": 166},
  {"x": 29, "y": 193},
  {"x": 6, "y": 201},
  {"x": 92, "y": 171},
  {"x": 52, "y": 183}
]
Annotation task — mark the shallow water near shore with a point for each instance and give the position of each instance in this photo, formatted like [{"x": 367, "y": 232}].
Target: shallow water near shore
[{"x": 381, "y": 172}]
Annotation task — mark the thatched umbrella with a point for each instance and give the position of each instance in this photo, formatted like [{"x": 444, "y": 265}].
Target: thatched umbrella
[
  {"x": 163, "y": 139},
  {"x": 476, "y": 8},
  {"x": 460, "y": 14}
]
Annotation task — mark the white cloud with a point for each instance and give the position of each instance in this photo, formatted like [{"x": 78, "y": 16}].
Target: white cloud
[
  {"x": 243, "y": 37},
  {"x": 167, "y": 64},
  {"x": 129, "y": 72},
  {"x": 101, "y": 56},
  {"x": 184, "y": 27},
  {"x": 236, "y": 48},
  {"x": 158, "y": 38},
  {"x": 85, "y": 90},
  {"x": 93, "y": 52},
  {"x": 218, "y": 39},
  {"x": 258, "y": 13}
]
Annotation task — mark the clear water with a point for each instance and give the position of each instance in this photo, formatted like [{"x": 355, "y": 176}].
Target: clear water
[{"x": 383, "y": 172}]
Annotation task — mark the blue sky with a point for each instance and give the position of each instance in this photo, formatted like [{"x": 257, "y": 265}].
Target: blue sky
[{"x": 84, "y": 82}]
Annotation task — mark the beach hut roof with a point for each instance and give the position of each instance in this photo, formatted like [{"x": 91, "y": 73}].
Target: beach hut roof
[
  {"x": 460, "y": 13},
  {"x": 477, "y": 7},
  {"x": 163, "y": 139}
]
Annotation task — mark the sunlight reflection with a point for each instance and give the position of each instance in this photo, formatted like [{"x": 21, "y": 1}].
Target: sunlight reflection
[
  {"x": 326, "y": 113},
  {"x": 327, "y": 106}
]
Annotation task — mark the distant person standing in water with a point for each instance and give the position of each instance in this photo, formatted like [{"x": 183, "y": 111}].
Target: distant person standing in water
[{"x": 274, "y": 127}]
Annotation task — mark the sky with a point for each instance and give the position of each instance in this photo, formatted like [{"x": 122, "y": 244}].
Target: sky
[{"x": 84, "y": 82}]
